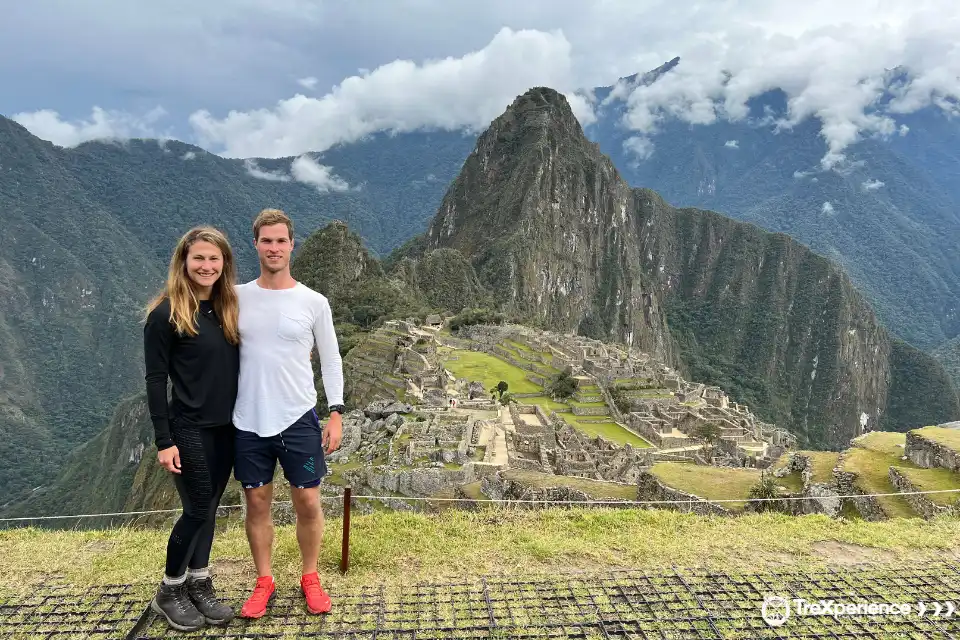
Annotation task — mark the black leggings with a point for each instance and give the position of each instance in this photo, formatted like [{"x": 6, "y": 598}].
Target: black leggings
[{"x": 206, "y": 459}]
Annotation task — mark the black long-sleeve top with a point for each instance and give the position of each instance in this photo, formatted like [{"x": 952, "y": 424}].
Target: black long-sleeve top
[{"x": 204, "y": 370}]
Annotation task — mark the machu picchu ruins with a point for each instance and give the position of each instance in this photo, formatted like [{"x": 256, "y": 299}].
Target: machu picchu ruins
[{"x": 448, "y": 412}]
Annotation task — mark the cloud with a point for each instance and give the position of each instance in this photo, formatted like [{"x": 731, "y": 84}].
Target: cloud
[
  {"x": 733, "y": 144},
  {"x": 305, "y": 169},
  {"x": 838, "y": 74},
  {"x": 639, "y": 146},
  {"x": 449, "y": 93},
  {"x": 257, "y": 172},
  {"x": 872, "y": 185},
  {"x": 189, "y": 155},
  {"x": 827, "y": 208},
  {"x": 102, "y": 125},
  {"x": 834, "y": 61}
]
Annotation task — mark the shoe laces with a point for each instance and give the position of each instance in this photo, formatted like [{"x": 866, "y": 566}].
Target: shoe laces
[
  {"x": 262, "y": 591},
  {"x": 311, "y": 584},
  {"x": 181, "y": 597},
  {"x": 205, "y": 591}
]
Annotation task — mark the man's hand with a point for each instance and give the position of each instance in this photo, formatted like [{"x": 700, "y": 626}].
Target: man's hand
[
  {"x": 170, "y": 459},
  {"x": 332, "y": 433}
]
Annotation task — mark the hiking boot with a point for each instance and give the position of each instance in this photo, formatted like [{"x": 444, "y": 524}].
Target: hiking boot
[
  {"x": 263, "y": 595},
  {"x": 205, "y": 598},
  {"x": 173, "y": 603},
  {"x": 317, "y": 599}
]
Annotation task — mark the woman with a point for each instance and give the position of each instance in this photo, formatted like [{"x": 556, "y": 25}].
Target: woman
[{"x": 191, "y": 337}]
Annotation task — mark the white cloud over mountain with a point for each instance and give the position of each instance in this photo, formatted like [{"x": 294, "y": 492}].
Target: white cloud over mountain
[{"x": 832, "y": 61}]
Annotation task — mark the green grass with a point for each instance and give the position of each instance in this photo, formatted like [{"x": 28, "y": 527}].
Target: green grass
[
  {"x": 793, "y": 482},
  {"x": 473, "y": 491},
  {"x": 871, "y": 463},
  {"x": 934, "y": 480},
  {"x": 609, "y": 430},
  {"x": 397, "y": 548},
  {"x": 822, "y": 464},
  {"x": 490, "y": 370},
  {"x": 949, "y": 438},
  {"x": 710, "y": 483},
  {"x": 888, "y": 443},
  {"x": 575, "y": 403},
  {"x": 545, "y": 403}
]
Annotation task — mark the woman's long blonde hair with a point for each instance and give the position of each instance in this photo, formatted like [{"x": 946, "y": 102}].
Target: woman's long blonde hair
[{"x": 182, "y": 293}]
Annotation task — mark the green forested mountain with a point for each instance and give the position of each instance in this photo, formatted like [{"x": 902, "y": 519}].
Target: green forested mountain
[{"x": 88, "y": 236}]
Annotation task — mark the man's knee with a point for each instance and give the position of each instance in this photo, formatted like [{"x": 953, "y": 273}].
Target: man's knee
[
  {"x": 259, "y": 501},
  {"x": 306, "y": 503}
]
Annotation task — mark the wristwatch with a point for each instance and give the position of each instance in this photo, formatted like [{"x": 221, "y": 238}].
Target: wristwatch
[{"x": 339, "y": 408}]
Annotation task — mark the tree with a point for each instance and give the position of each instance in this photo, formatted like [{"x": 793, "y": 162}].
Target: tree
[
  {"x": 500, "y": 389},
  {"x": 620, "y": 399},
  {"x": 563, "y": 385},
  {"x": 764, "y": 491},
  {"x": 708, "y": 433}
]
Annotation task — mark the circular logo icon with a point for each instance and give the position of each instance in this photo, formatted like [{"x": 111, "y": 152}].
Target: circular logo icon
[{"x": 775, "y": 610}]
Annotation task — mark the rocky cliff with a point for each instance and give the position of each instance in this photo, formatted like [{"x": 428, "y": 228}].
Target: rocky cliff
[
  {"x": 545, "y": 220},
  {"x": 558, "y": 237}
]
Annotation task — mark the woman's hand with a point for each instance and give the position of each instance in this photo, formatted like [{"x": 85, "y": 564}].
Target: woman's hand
[{"x": 170, "y": 459}]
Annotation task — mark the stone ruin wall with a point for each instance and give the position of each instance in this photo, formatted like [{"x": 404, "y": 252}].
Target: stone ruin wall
[
  {"x": 920, "y": 503},
  {"x": 929, "y": 454}
]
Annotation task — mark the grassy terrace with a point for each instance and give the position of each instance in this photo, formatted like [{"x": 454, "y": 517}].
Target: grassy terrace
[
  {"x": 490, "y": 369},
  {"x": 396, "y": 548},
  {"x": 870, "y": 459},
  {"x": 475, "y": 365},
  {"x": 934, "y": 480},
  {"x": 949, "y": 438},
  {"x": 710, "y": 483},
  {"x": 609, "y": 430}
]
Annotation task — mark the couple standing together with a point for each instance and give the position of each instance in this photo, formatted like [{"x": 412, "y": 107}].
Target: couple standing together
[{"x": 244, "y": 398}]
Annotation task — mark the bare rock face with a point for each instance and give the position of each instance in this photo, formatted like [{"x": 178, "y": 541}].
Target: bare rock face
[{"x": 546, "y": 222}]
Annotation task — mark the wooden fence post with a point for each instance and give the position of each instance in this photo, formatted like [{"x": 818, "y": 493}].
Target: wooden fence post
[{"x": 345, "y": 549}]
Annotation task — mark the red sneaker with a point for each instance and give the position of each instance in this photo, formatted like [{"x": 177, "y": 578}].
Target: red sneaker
[
  {"x": 263, "y": 595},
  {"x": 317, "y": 599}
]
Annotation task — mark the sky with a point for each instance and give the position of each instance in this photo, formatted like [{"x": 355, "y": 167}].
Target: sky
[{"x": 275, "y": 78}]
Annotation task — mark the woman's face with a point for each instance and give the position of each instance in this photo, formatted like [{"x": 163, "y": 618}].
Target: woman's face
[{"x": 204, "y": 263}]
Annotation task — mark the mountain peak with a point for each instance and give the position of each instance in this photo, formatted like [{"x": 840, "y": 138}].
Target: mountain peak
[{"x": 539, "y": 108}]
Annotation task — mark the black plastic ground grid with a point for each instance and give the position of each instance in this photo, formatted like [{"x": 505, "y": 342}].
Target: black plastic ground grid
[{"x": 663, "y": 604}]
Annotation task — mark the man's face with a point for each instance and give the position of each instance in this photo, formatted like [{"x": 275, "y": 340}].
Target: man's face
[{"x": 274, "y": 247}]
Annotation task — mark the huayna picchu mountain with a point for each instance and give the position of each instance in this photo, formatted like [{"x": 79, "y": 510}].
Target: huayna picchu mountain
[
  {"x": 556, "y": 234},
  {"x": 546, "y": 221}
]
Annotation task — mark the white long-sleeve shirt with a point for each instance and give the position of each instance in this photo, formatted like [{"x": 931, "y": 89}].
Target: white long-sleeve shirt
[{"x": 278, "y": 330}]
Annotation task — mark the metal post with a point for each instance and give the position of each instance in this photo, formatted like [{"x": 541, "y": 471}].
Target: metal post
[{"x": 345, "y": 549}]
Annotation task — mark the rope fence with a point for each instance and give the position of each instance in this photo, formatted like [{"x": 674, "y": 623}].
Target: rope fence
[{"x": 507, "y": 501}]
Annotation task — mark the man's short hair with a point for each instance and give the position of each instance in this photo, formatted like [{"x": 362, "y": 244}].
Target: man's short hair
[{"x": 269, "y": 217}]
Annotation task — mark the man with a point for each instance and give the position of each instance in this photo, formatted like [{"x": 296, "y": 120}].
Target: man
[{"x": 280, "y": 322}]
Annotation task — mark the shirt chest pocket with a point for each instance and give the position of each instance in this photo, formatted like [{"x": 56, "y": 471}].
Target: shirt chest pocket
[{"x": 293, "y": 329}]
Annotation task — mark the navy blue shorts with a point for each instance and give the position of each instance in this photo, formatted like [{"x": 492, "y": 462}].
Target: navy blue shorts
[{"x": 299, "y": 448}]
